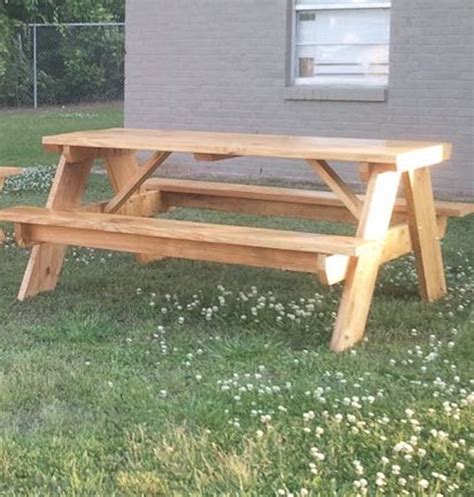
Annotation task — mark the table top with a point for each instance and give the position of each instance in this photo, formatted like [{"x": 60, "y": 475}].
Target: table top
[{"x": 403, "y": 155}]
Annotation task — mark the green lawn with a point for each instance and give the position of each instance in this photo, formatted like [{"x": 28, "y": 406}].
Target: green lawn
[
  {"x": 183, "y": 378},
  {"x": 21, "y": 131}
]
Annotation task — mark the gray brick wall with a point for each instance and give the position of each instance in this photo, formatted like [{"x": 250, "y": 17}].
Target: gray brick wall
[{"x": 222, "y": 65}]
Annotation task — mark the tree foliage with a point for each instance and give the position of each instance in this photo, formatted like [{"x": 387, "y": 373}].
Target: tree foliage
[
  {"x": 85, "y": 64},
  {"x": 62, "y": 11}
]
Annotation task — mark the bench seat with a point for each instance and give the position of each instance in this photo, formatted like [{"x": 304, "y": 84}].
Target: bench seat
[
  {"x": 5, "y": 172},
  {"x": 182, "y": 239},
  {"x": 267, "y": 200}
]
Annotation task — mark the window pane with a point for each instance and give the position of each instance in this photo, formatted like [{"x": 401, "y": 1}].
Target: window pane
[
  {"x": 344, "y": 43},
  {"x": 343, "y": 26}
]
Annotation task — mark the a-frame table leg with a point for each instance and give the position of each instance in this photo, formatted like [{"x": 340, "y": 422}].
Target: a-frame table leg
[
  {"x": 362, "y": 271},
  {"x": 46, "y": 260},
  {"x": 122, "y": 167},
  {"x": 424, "y": 233}
]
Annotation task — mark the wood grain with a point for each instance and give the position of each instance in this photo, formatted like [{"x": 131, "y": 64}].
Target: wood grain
[
  {"x": 422, "y": 221},
  {"x": 190, "y": 231},
  {"x": 215, "y": 192},
  {"x": 362, "y": 271},
  {"x": 46, "y": 260},
  {"x": 401, "y": 155}
]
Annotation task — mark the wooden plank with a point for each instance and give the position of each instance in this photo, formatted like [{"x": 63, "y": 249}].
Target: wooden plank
[
  {"x": 304, "y": 203},
  {"x": 46, "y": 260},
  {"x": 213, "y": 157},
  {"x": 142, "y": 204},
  {"x": 6, "y": 171},
  {"x": 338, "y": 186},
  {"x": 78, "y": 154},
  {"x": 136, "y": 182},
  {"x": 332, "y": 269},
  {"x": 190, "y": 231},
  {"x": 402, "y": 155},
  {"x": 121, "y": 169},
  {"x": 183, "y": 249},
  {"x": 362, "y": 271},
  {"x": 260, "y": 207},
  {"x": 422, "y": 221}
]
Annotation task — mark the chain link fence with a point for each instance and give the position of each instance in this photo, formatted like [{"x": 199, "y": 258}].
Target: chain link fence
[{"x": 63, "y": 64}]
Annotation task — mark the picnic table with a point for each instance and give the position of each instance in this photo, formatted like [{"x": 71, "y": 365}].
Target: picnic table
[
  {"x": 387, "y": 227},
  {"x": 6, "y": 172}
]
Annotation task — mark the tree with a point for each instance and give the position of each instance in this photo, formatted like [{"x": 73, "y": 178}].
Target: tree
[
  {"x": 62, "y": 11},
  {"x": 98, "y": 54}
]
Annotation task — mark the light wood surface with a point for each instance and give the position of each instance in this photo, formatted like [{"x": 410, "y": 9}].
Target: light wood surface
[
  {"x": 129, "y": 188},
  {"x": 362, "y": 271},
  {"x": 6, "y": 171},
  {"x": 46, "y": 260},
  {"x": 402, "y": 155},
  {"x": 423, "y": 229},
  {"x": 184, "y": 249},
  {"x": 338, "y": 186},
  {"x": 191, "y": 231},
  {"x": 269, "y": 200}
]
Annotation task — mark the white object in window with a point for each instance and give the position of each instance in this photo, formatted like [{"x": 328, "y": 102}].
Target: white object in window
[{"x": 341, "y": 41}]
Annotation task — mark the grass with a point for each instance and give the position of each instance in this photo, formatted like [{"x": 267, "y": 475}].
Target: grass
[
  {"x": 194, "y": 379},
  {"x": 21, "y": 131}
]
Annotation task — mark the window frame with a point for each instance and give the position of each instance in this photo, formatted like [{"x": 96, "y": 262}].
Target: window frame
[{"x": 295, "y": 9}]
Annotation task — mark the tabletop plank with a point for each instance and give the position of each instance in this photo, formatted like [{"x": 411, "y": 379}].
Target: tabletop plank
[{"x": 403, "y": 155}]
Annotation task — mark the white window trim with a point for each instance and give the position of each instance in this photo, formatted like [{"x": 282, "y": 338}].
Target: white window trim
[
  {"x": 341, "y": 6},
  {"x": 302, "y": 82}
]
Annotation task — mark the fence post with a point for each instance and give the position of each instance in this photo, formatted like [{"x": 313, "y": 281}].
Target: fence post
[{"x": 35, "y": 70}]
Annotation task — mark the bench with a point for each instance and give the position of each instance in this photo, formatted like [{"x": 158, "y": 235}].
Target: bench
[
  {"x": 259, "y": 247},
  {"x": 5, "y": 172},
  {"x": 164, "y": 194},
  {"x": 275, "y": 201}
]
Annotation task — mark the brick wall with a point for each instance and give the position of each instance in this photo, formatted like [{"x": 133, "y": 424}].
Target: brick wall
[{"x": 222, "y": 65}]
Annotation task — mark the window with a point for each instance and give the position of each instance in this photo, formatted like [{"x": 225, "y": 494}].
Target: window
[{"x": 341, "y": 41}]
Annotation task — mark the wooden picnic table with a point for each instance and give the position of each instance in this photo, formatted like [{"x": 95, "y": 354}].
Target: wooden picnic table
[{"x": 387, "y": 227}]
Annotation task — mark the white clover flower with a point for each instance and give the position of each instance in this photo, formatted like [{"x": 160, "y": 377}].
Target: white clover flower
[
  {"x": 460, "y": 466},
  {"x": 424, "y": 484},
  {"x": 308, "y": 416},
  {"x": 265, "y": 418},
  {"x": 403, "y": 447}
]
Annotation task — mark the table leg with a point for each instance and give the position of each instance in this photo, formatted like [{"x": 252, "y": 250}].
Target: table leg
[
  {"x": 424, "y": 233},
  {"x": 46, "y": 260},
  {"x": 362, "y": 271},
  {"x": 121, "y": 169}
]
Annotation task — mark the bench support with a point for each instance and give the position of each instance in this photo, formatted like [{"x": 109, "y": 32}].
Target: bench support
[
  {"x": 362, "y": 271},
  {"x": 424, "y": 235},
  {"x": 46, "y": 260},
  {"x": 123, "y": 171}
]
